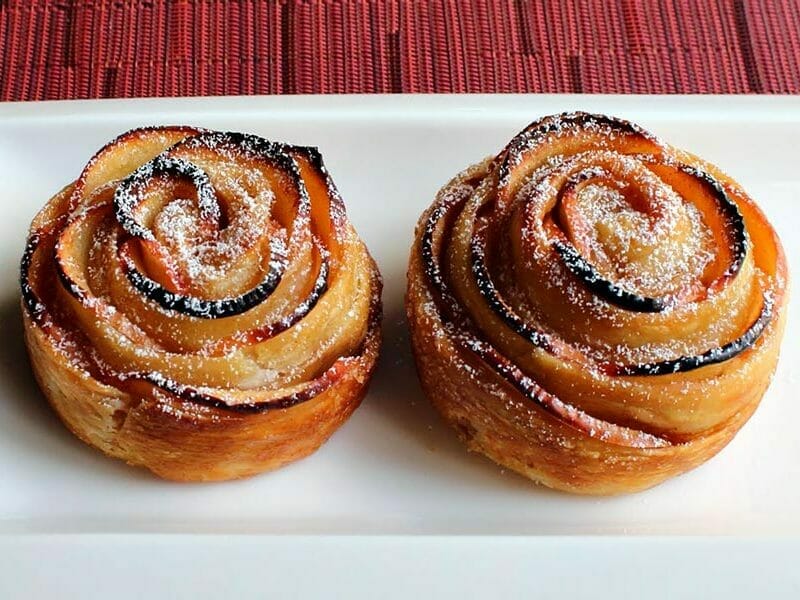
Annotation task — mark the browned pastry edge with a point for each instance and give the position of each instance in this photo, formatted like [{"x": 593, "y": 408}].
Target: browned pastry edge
[{"x": 185, "y": 441}]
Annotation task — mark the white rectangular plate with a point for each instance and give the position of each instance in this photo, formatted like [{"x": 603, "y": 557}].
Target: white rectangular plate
[{"x": 394, "y": 468}]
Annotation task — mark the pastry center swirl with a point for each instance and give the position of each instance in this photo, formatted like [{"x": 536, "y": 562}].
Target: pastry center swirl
[{"x": 626, "y": 226}]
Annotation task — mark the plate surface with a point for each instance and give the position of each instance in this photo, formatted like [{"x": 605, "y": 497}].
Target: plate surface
[{"x": 394, "y": 468}]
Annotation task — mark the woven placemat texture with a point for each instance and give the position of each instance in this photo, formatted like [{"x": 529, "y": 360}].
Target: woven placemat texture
[{"x": 129, "y": 48}]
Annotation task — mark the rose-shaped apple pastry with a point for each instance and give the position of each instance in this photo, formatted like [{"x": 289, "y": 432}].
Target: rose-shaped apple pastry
[
  {"x": 594, "y": 308},
  {"x": 198, "y": 303}
]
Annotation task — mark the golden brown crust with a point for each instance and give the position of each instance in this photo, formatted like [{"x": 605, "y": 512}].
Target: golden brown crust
[
  {"x": 231, "y": 389},
  {"x": 186, "y": 442},
  {"x": 628, "y": 389}
]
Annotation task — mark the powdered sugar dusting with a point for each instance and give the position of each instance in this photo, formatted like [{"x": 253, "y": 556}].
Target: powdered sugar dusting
[{"x": 204, "y": 234}]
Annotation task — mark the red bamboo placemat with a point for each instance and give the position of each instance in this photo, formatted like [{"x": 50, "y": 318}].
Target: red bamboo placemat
[{"x": 127, "y": 48}]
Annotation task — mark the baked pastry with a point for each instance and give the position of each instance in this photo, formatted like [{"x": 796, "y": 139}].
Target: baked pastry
[
  {"x": 594, "y": 308},
  {"x": 197, "y": 303}
]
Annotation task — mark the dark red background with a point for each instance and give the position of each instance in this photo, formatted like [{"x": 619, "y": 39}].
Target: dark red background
[{"x": 119, "y": 48}]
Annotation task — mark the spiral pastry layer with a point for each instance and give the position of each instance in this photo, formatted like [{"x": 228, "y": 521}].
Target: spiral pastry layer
[
  {"x": 197, "y": 303},
  {"x": 593, "y": 308}
]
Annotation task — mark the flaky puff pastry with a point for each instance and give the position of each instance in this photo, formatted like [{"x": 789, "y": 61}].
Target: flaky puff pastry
[
  {"x": 594, "y": 308},
  {"x": 197, "y": 303}
]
